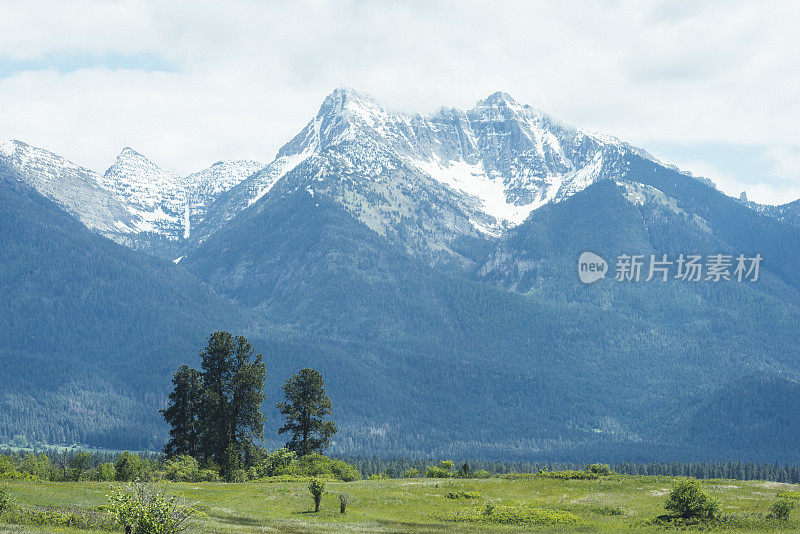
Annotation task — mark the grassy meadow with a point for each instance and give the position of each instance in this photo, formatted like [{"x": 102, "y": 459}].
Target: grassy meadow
[{"x": 608, "y": 504}]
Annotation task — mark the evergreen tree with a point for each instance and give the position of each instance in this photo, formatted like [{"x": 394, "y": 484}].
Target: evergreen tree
[
  {"x": 182, "y": 413},
  {"x": 305, "y": 409},
  {"x": 218, "y": 410},
  {"x": 246, "y": 392},
  {"x": 214, "y": 407}
]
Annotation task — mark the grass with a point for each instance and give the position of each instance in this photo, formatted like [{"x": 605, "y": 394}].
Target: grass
[{"x": 525, "y": 504}]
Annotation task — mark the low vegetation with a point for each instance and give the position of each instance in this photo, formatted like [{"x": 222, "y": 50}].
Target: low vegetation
[{"x": 542, "y": 501}]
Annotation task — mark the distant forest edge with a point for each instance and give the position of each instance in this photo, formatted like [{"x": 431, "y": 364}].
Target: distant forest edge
[{"x": 57, "y": 465}]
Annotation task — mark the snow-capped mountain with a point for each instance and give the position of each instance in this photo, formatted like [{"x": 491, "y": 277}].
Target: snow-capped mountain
[
  {"x": 423, "y": 182},
  {"x": 432, "y": 178},
  {"x": 159, "y": 198},
  {"x": 133, "y": 198},
  {"x": 208, "y": 184},
  {"x": 79, "y": 191}
]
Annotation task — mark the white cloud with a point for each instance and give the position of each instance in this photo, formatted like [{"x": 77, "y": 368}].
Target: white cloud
[
  {"x": 785, "y": 162},
  {"x": 248, "y": 75}
]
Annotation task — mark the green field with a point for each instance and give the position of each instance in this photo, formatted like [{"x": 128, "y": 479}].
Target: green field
[{"x": 609, "y": 504}]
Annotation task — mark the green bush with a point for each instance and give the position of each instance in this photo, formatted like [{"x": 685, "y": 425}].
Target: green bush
[
  {"x": 411, "y": 473},
  {"x": 316, "y": 465},
  {"x": 781, "y": 508},
  {"x": 446, "y": 465},
  {"x": 208, "y": 475},
  {"x": 182, "y": 468},
  {"x": 438, "y": 472},
  {"x": 599, "y": 509},
  {"x": 106, "y": 472},
  {"x": 129, "y": 467},
  {"x": 316, "y": 487},
  {"x": 464, "y": 471},
  {"x": 599, "y": 469},
  {"x": 688, "y": 500},
  {"x": 4, "y": 499},
  {"x": 278, "y": 462},
  {"x": 37, "y": 466},
  {"x": 7, "y": 469},
  {"x": 787, "y": 494},
  {"x": 513, "y": 515},
  {"x": 481, "y": 473},
  {"x": 150, "y": 510}
]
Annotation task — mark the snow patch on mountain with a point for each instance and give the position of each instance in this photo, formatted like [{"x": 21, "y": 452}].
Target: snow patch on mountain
[
  {"x": 267, "y": 178},
  {"x": 472, "y": 179}
]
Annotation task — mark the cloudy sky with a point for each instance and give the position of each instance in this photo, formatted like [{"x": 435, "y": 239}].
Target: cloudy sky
[{"x": 713, "y": 87}]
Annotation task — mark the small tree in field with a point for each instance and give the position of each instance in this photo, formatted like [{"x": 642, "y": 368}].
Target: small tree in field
[
  {"x": 344, "y": 498},
  {"x": 688, "y": 500},
  {"x": 316, "y": 487},
  {"x": 305, "y": 410}
]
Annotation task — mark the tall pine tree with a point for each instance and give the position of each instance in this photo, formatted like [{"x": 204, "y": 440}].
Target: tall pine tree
[
  {"x": 182, "y": 413},
  {"x": 216, "y": 361},
  {"x": 305, "y": 409},
  {"x": 216, "y": 414}
]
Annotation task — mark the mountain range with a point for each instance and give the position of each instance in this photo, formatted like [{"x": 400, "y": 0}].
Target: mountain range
[{"x": 427, "y": 265}]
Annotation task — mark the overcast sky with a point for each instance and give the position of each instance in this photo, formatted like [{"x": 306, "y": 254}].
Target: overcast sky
[{"x": 713, "y": 87}]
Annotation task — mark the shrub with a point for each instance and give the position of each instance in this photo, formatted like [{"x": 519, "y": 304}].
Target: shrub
[
  {"x": 129, "y": 467},
  {"x": 37, "y": 466},
  {"x": 481, "y": 473},
  {"x": 600, "y": 509},
  {"x": 4, "y": 500},
  {"x": 106, "y": 472},
  {"x": 599, "y": 469},
  {"x": 316, "y": 487},
  {"x": 182, "y": 468},
  {"x": 317, "y": 465},
  {"x": 437, "y": 472},
  {"x": 343, "y": 500},
  {"x": 278, "y": 462},
  {"x": 150, "y": 510},
  {"x": 208, "y": 475},
  {"x": 411, "y": 473},
  {"x": 513, "y": 515},
  {"x": 7, "y": 469},
  {"x": 464, "y": 471},
  {"x": 688, "y": 500},
  {"x": 781, "y": 508},
  {"x": 446, "y": 465}
]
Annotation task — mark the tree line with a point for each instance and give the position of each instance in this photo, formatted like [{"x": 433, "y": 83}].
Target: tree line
[{"x": 735, "y": 470}]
